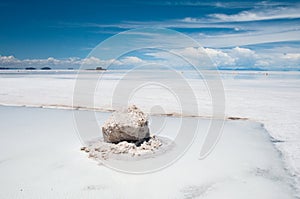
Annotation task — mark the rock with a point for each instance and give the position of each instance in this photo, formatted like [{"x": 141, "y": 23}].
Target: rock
[
  {"x": 83, "y": 148},
  {"x": 129, "y": 125}
]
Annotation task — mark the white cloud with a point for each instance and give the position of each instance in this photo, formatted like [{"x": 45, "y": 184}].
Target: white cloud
[
  {"x": 132, "y": 60},
  {"x": 191, "y": 20},
  {"x": 261, "y": 36},
  {"x": 229, "y": 30},
  {"x": 235, "y": 57},
  {"x": 246, "y": 58},
  {"x": 72, "y": 62},
  {"x": 8, "y": 61},
  {"x": 262, "y": 14},
  {"x": 243, "y": 56},
  {"x": 292, "y": 56},
  {"x": 229, "y": 58},
  {"x": 93, "y": 62},
  {"x": 219, "y": 57},
  {"x": 224, "y": 4},
  {"x": 232, "y": 58},
  {"x": 241, "y": 33},
  {"x": 12, "y": 62}
]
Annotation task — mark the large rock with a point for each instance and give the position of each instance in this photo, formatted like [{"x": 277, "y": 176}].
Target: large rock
[{"x": 129, "y": 125}]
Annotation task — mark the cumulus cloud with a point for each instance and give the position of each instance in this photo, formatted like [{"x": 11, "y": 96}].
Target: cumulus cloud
[
  {"x": 285, "y": 61},
  {"x": 208, "y": 57},
  {"x": 232, "y": 58},
  {"x": 72, "y": 62},
  {"x": 219, "y": 57},
  {"x": 9, "y": 61},
  {"x": 12, "y": 62},
  {"x": 93, "y": 62},
  {"x": 229, "y": 58},
  {"x": 132, "y": 60},
  {"x": 243, "y": 56}
]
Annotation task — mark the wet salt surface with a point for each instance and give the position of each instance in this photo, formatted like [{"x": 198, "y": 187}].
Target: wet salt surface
[{"x": 40, "y": 157}]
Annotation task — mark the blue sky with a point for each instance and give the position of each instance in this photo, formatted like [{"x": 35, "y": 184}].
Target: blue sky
[{"x": 250, "y": 34}]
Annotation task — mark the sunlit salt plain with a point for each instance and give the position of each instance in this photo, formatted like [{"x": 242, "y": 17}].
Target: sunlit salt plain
[
  {"x": 40, "y": 154},
  {"x": 41, "y": 158}
]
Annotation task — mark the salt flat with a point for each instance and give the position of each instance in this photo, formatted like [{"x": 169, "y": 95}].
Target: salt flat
[
  {"x": 41, "y": 158},
  {"x": 270, "y": 98}
]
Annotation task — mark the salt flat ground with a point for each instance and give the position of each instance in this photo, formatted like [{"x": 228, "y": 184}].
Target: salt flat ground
[
  {"x": 270, "y": 98},
  {"x": 41, "y": 158}
]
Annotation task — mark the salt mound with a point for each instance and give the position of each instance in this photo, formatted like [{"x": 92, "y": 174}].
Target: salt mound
[{"x": 103, "y": 150}]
